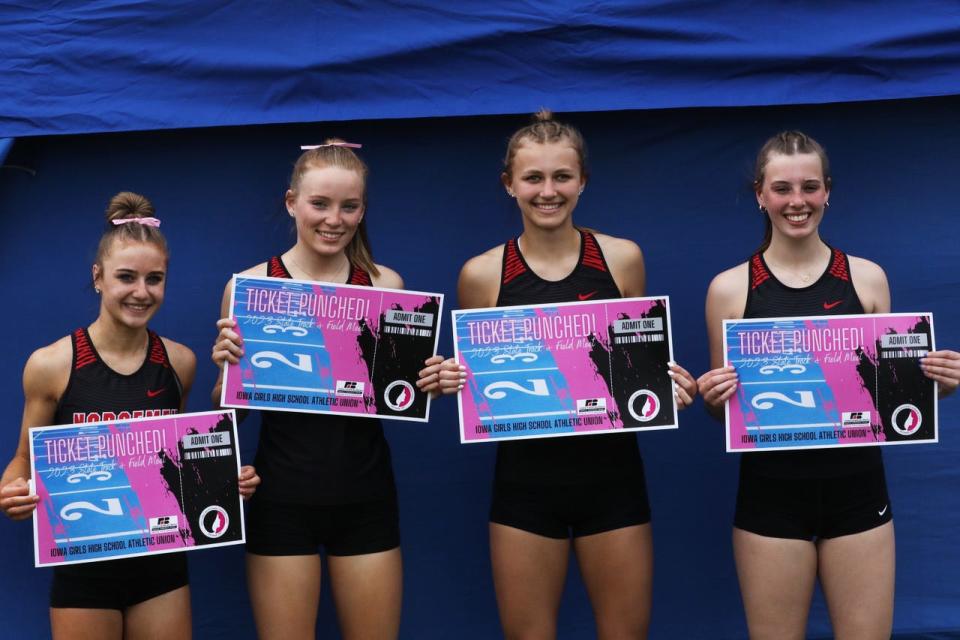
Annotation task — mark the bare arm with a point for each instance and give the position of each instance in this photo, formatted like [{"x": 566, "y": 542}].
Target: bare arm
[
  {"x": 626, "y": 265},
  {"x": 726, "y": 299},
  {"x": 185, "y": 365},
  {"x": 45, "y": 377}
]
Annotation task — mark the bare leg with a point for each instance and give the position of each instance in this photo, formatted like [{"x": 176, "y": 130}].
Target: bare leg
[
  {"x": 776, "y": 581},
  {"x": 617, "y": 569},
  {"x": 86, "y": 624},
  {"x": 165, "y": 616},
  {"x": 856, "y": 573},
  {"x": 285, "y": 593},
  {"x": 367, "y": 590},
  {"x": 528, "y": 574}
]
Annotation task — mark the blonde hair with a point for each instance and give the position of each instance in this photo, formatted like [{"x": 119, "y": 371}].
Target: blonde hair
[
  {"x": 542, "y": 130},
  {"x": 333, "y": 154},
  {"x": 122, "y": 206}
]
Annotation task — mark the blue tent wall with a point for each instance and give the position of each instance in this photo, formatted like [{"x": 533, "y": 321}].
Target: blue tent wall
[
  {"x": 673, "y": 180},
  {"x": 115, "y": 65}
]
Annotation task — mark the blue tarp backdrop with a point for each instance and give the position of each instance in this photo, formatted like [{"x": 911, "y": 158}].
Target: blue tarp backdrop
[
  {"x": 673, "y": 179},
  {"x": 84, "y": 67}
]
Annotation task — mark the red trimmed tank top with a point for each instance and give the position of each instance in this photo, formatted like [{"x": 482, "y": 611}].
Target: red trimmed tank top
[
  {"x": 569, "y": 460},
  {"x": 831, "y": 295},
  {"x": 316, "y": 459},
  {"x": 96, "y": 392}
]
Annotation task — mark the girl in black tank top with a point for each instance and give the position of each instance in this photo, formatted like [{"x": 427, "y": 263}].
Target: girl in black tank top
[
  {"x": 116, "y": 369},
  {"x": 327, "y": 480},
  {"x": 546, "y": 490},
  {"x": 815, "y": 513}
]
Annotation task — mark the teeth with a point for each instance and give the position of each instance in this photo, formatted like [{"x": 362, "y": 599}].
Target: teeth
[
  {"x": 548, "y": 207},
  {"x": 798, "y": 217}
]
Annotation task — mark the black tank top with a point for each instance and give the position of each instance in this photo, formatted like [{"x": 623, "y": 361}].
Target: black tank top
[
  {"x": 831, "y": 295},
  {"x": 316, "y": 459},
  {"x": 568, "y": 460},
  {"x": 96, "y": 392}
]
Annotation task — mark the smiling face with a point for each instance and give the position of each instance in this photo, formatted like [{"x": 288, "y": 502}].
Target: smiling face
[
  {"x": 793, "y": 193},
  {"x": 131, "y": 277},
  {"x": 328, "y": 206},
  {"x": 546, "y": 179}
]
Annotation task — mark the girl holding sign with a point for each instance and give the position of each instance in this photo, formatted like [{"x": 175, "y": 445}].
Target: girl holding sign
[
  {"x": 116, "y": 365},
  {"x": 328, "y": 479},
  {"x": 783, "y": 538},
  {"x": 591, "y": 487}
]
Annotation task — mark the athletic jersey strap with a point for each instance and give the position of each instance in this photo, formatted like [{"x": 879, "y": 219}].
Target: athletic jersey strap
[
  {"x": 513, "y": 264},
  {"x": 591, "y": 255},
  {"x": 758, "y": 271},
  {"x": 276, "y": 268},
  {"x": 840, "y": 266},
  {"x": 83, "y": 353},
  {"x": 359, "y": 277}
]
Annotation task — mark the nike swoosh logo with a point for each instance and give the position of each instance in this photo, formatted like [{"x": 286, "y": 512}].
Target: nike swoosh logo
[
  {"x": 586, "y": 296},
  {"x": 882, "y": 511},
  {"x": 831, "y": 305},
  {"x": 154, "y": 394}
]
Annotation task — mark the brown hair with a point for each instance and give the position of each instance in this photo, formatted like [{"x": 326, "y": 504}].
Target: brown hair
[
  {"x": 332, "y": 153},
  {"x": 786, "y": 143},
  {"x": 122, "y": 206},
  {"x": 542, "y": 130}
]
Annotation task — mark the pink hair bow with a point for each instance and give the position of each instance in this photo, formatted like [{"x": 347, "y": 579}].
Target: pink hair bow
[
  {"x": 149, "y": 222},
  {"x": 351, "y": 145}
]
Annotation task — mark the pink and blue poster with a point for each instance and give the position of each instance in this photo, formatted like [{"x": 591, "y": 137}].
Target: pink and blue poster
[
  {"x": 127, "y": 488},
  {"x": 830, "y": 381},
  {"x": 321, "y": 348},
  {"x": 568, "y": 369}
]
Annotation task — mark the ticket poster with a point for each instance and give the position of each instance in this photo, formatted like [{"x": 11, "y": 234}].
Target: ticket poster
[
  {"x": 830, "y": 381},
  {"x": 135, "y": 487},
  {"x": 323, "y": 348},
  {"x": 565, "y": 370}
]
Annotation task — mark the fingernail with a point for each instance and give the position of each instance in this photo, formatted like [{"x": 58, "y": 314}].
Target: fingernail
[
  {"x": 671, "y": 374},
  {"x": 462, "y": 368}
]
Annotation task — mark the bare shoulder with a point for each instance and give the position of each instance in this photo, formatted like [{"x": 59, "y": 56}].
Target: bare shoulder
[
  {"x": 181, "y": 356},
  {"x": 727, "y": 293},
  {"x": 47, "y": 371},
  {"x": 388, "y": 278},
  {"x": 870, "y": 283},
  {"x": 257, "y": 270},
  {"x": 619, "y": 250},
  {"x": 485, "y": 266},
  {"x": 479, "y": 280},
  {"x": 866, "y": 272}
]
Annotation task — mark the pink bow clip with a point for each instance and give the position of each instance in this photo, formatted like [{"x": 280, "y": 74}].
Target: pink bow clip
[
  {"x": 351, "y": 145},
  {"x": 149, "y": 222}
]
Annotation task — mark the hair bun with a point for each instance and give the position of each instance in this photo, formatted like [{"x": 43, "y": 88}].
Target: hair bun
[
  {"x": 543, "y": 115},
  {"x": 127, "y": 204}
]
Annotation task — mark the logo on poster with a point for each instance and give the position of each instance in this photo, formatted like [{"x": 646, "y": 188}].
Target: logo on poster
[
  {"x": 349, "y": 388},
  {"x": 647, "y": 403},
  {"x": 214, "y": 521},
  {"x": 906, "y": 419},
  {"x": 163, "y": 523},
  {"x": 855, "y": 419},
  {"x": 591, "y": 405},
  {"x": 398, "y": 395}
]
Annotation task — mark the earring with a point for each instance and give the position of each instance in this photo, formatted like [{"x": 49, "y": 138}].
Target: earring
[
  {"x": 511, "y": 193},
  {"x": 97, "y": 289},
  {"x": 762, "y": 209},
  {"x": 580, "y": 193},
  {"x": 826, "y": 204}
]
